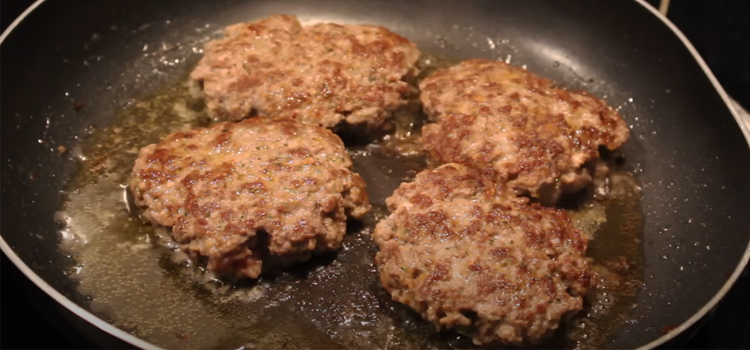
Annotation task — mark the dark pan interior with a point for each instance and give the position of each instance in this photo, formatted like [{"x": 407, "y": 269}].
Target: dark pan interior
[{"x": 686, "y": 149}]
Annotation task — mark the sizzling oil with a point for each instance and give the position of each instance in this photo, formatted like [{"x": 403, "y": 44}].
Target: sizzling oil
[{"x": 141, "y": 283}]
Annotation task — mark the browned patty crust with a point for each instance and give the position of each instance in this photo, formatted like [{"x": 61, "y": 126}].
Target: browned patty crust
[
  {"x": 322, "y": 74},
  {"x": 467, "y": 253},
  {"x": 246, "y": 193},
  {"x": 516, "y": 125}
]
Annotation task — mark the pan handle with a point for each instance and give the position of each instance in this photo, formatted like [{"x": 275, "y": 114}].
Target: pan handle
[{"x": 663, "y": 7}]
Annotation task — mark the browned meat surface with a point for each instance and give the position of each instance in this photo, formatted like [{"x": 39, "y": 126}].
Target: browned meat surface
[
  {"x": 518, "y": 126},
  {"x": 468, "y": 254},
  {"x": 248, "y": 193},
  {"x": 322, "y": 74}
]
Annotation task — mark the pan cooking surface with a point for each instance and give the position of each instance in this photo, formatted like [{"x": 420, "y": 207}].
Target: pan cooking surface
[
  {"x": 686, "y": 152},
  {"x": 137, "y": 279}
]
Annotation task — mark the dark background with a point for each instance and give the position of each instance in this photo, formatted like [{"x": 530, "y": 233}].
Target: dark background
[{"x": 720, "y": 31}]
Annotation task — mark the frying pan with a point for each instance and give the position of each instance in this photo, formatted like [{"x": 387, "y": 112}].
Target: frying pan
[{"x": 69, "y": 67}]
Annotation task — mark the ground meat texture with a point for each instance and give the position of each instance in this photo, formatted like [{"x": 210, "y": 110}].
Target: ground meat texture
[
  {"x": 518, "y": 126},
  {"x": 322, "y": 74},
  {"x": 468, "y": 254},
  {"x": 251, "y": 193}
]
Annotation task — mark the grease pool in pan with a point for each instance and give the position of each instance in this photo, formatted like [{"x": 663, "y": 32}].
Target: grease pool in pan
[{"x": 137, "y": 280}]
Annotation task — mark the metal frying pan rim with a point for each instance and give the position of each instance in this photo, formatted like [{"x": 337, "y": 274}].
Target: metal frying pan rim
[
  {"x": 135, "y": 341},
  {"x": 745, "y": 131},
  {"x": 43, "y": 285}
]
